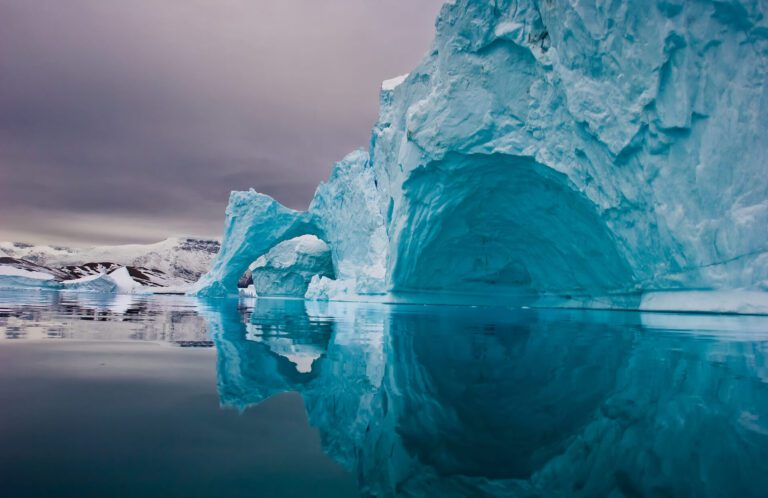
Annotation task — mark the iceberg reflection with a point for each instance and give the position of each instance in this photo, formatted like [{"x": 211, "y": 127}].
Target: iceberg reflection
[{"x": 443, "y": 401}]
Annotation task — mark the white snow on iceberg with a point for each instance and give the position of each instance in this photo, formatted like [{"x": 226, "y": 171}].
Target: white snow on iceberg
[
  {"x": 92, "y": 283},
  {"x": 392, "y": 83}
]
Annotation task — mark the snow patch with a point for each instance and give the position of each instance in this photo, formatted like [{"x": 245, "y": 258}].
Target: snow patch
[
  {"x": 392, "y": 83},
  {"x": 10, "y": 271}
]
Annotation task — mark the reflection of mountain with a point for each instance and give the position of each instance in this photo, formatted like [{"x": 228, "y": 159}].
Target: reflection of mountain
[
  {"x": 97, "y": 316},
  {"x": 473, "y": 402}
]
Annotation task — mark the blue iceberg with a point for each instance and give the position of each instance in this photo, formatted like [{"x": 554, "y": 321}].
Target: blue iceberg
[{"x": 551, "y": 153}]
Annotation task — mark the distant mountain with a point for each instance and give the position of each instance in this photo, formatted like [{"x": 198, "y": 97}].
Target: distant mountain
[
  {"x": 149, "y": 277},
  {"x": 182, "y": 260},
  {"x": 172, "y": 264}
]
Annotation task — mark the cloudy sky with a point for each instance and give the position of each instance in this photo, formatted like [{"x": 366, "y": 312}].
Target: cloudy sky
[{"x": 129, "y": 121}]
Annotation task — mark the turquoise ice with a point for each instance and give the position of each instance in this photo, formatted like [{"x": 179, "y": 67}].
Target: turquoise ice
[{"x": 559, "y": 153}]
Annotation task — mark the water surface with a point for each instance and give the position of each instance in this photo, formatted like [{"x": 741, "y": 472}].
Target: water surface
[{"x": 172, "y": 396}]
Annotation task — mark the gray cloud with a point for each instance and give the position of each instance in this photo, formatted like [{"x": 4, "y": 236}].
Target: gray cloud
[{"x": 120, "y": 115}]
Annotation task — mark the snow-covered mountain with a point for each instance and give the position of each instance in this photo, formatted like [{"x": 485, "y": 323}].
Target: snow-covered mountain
[
  {"x": 29, "y": 266},
  {"x": 172, "y": 264},
  {"x": 182, "y": 259}
]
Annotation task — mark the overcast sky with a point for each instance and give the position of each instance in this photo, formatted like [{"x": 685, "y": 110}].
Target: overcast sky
[{"x": 130, "y": 121}]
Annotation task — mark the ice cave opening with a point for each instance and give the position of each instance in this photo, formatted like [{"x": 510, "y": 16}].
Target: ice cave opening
[{"x": 501, "y": 227}]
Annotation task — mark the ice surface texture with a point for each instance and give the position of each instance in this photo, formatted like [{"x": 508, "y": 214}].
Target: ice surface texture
[{"x": 575, "y": 153}]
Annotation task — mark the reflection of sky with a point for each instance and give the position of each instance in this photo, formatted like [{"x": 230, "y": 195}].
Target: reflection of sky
[{"x": 137, "y": 419}]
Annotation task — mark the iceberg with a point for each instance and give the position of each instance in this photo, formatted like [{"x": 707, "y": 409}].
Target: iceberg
[
  {"x": 89, "y": 277},
  {"x": 118, "y": 281},
  {"x": 126, "y": 284},
  {"x": 344, "y": 214},
  {"x": 100, "y": 282},
  {"x": 551, "y": 153},
  {"x": 15, "y": 277}
]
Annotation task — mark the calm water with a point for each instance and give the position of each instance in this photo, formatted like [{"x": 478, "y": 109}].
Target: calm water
[{"x": 175, "y": 397}]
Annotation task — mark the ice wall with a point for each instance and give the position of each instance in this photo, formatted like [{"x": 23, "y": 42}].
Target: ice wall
[
  {"x": 581, "y": 148},
  {"x": 568, "y": 153},
  {"x": 348, "y": 207}
]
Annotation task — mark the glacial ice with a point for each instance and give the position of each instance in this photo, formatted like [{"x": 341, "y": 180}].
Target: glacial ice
[
  {"x": 551, "y": 153},
  {"x": 118, "y": 281},
  {"x": 344, "y": 214},
  {"x": 92, "y": 283},
  {"x": 12, "y": 277},
  {"x": 126, "y": 284}
]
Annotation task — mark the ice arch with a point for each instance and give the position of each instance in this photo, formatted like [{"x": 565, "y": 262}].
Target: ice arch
[
  {"x": 345, "y": 213},
  {"x": 255, "y": 223},
  {"x": 500, "y": 226}
]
